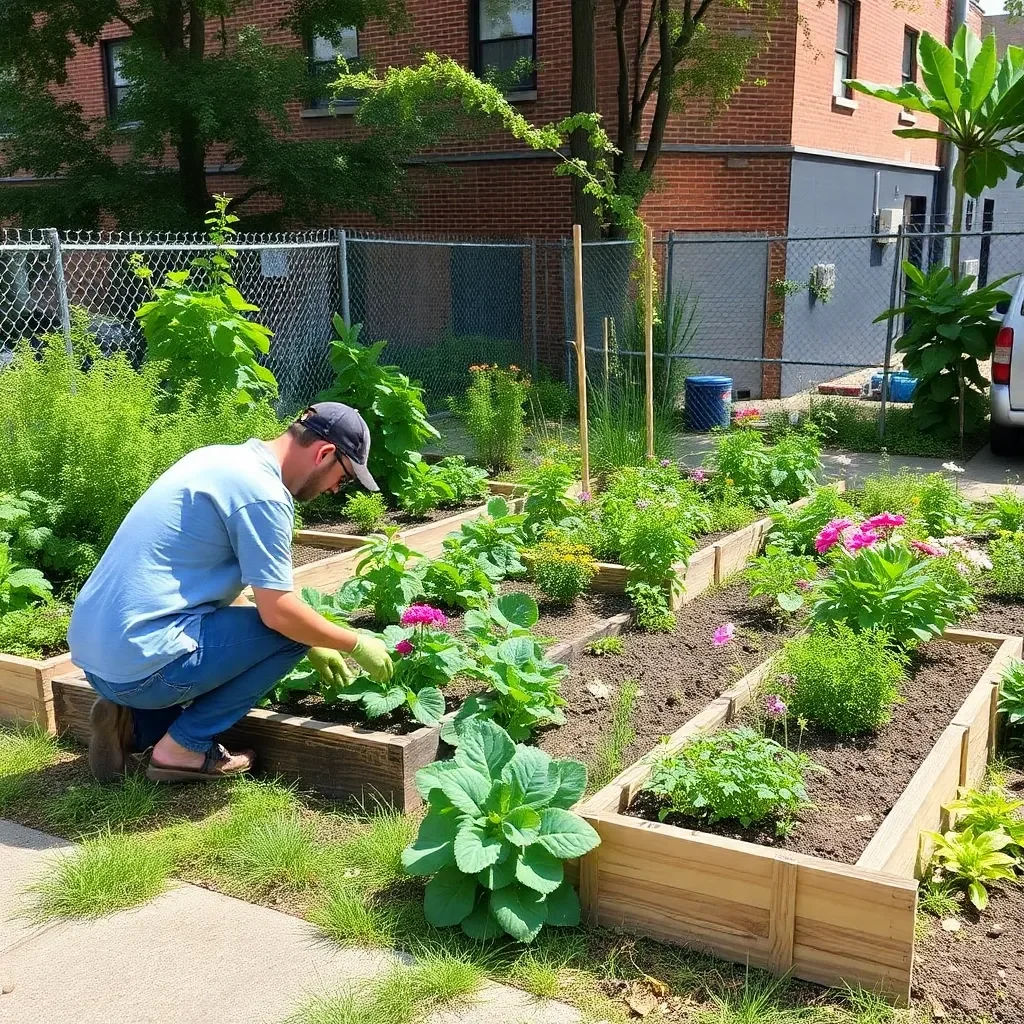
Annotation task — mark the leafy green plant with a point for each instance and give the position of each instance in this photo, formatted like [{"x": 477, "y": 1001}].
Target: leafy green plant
[
  {"x": 20, "y": 586},
  {"x": 884, "y": 587},
  {"x": 606, "y": 645},
  {"x": 547, "y": 501},
  {"x": 423, "y": 489},
  {"x": 389, "y": 402},
  {"x": 38, "y": 631},
  {"x": 990, "y": 810},
  {"x": 608, "y": 755},
  {"x": 496, "y": 539},
  {"x": 1005, "y": 513},
  {"x": 459, "y": 578},
  {"x": 653, "y": 545},
  {"x": 367, "y": 510},
  {"x": 651, "y": 606},
  {"x": 843, "y": 681},
  {"x": 196, "y": 325},
  {"x": 493, "y": 408},
  {"x": 389, "y": 577},
  {"x": 495, "y": 837},
  {"x": 1006, "y": 577},
  {"x": 974, "y": 859},
  {"x": 795, "y": 530},
  {"x": 549, "y": 398},
  {"x": 951, "y": 330},
  {"x": 1011, "y": 695},
  {"x": 938, "y": 896},
  {"x": 563, "y": 570},
  {"x": 782, "y": 576},
  {"x": 761, "y": 474},
  {"x": 737, "y": 774},
  {"x": 467, "y": 483}
]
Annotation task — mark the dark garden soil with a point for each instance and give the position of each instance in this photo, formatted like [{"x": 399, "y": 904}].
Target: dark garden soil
[
  {"x": 340, "y": 524},
  {"x": 863, "y": 777},
  {"x": 977, "y": 971},
  {"x": 998, "y": 615},
  {"x": 302, "y": 554},
  {"x": 677, "y": 674}
]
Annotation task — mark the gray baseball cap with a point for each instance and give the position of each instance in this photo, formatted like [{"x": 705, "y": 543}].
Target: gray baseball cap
[{"x": 343, "y": 427}]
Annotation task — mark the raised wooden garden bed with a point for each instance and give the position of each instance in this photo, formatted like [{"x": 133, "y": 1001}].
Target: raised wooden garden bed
[
  {"x": 25, "y": 691},
  {"x": 820, "y": 920}
]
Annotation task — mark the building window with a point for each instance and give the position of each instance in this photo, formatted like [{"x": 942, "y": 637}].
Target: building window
[
  {"x": 909, "y": 56},
  {"x": 323, "y": 62},
  {"x": 117, "y": 85},
  {"x": 844, "y": 66},
  {"x": 504, "y": 34},
  {"x": 969, "y": 214}
]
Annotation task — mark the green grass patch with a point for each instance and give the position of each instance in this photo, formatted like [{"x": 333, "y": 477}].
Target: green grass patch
[
  {"x": 23, "y": 753},
  {"x": 95, "y": 807},
  {"x": 608, "y": 756}
]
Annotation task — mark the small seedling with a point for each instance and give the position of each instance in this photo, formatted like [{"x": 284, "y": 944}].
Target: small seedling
[{"x": 606, "y": 645}]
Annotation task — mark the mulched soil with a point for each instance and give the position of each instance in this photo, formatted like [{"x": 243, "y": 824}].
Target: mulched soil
[
  {"x": 864, "y": 777},
  {"x": 677, "y": 673},
  {"x": 339, "y": 524},
  {"x": 998, "y": 615},
  {"x": 302, "y": 554}
]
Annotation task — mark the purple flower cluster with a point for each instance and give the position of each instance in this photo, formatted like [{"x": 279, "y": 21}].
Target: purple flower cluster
[{"x": 424, "y": 615}]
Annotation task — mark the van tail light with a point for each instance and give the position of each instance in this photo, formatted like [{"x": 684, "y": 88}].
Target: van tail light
[{"x": 1002, "y": 355}]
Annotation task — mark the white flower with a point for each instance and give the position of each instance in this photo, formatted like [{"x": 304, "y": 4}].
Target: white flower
[
  {"x": 978, "y": 558},
  {"x": 952, "y": 467},
  {"x": 843, "y": 460}
]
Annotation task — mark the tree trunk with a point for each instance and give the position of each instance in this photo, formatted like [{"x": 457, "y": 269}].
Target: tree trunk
[
  {"x": 190, "y": 148},
  {"x": 664, "y": 102},
  {"x": 959, "y": 184},
  {"x": 583, "y": 100}
]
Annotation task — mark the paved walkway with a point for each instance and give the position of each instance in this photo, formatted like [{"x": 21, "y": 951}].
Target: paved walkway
[{"x": 191, "y": 954}]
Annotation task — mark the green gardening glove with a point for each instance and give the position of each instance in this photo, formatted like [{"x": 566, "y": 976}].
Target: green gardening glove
[
  {"x": 331, "y": 666},
  {"x": 372, "y": 657}
]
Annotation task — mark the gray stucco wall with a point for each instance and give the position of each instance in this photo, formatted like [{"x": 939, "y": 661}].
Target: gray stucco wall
[{"x": 836, "y": 197}]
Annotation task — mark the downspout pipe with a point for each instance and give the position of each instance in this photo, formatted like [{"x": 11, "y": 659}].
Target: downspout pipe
[{"x": 943, "y": 199}]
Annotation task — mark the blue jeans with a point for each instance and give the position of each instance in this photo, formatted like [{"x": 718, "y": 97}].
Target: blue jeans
[{"x": 236, "y": 664}]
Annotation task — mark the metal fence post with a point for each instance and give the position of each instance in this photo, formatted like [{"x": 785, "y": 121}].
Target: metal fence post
[
  {"x": 62, "y": 291},
  {"x": 566, "y": 339},
  {"x": 669, "y": 316},
  {"x": 343, "y": 273},
  {"x": 896, "y": 265},
  {"x": 533, "y": 305}
]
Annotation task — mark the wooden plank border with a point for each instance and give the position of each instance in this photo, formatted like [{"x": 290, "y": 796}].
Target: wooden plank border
[
  {"x": 819, "y": 920},
  {"x": 26, "y": 693}
]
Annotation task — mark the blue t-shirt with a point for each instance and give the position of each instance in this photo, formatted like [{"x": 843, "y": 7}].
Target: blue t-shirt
[{"x": 218, "y": 520}]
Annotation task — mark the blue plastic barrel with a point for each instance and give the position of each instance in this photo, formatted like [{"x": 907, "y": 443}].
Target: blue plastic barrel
[{"x": 708, "y": 402}]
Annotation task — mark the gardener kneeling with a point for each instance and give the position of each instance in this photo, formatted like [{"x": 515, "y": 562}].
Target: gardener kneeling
[{"x": 174, "y": 663}]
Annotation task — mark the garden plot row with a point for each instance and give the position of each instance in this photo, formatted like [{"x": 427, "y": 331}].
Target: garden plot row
[{"x": 821, "y": 920}]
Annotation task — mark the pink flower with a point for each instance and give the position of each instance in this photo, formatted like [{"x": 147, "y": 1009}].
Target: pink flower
[
  {"x": 931, "y": 550},
  {"x": 698, "y": 476},
  {"x": 862, "y": 538},
  {"x": 665, "y": 463},
  {"x": 803, "y": 585},
  {"x": 643, "y": 503},
  {"x": 586, "y": 497},
  {"x": 830, "y": 535},
  {"x": 723, "y": 634},
  {"x": 424, "y": 615},
  {"x": 883, "y": 521},
  {"x": 775, "y": 706},
  {"x": 747, "y": 414},
  {"x": 404, "y": 647}
]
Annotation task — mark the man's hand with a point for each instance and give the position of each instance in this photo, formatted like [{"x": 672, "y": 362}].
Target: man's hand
[
  {"x": 372, "y": 657},
  {"x": 331, "y": 666}
]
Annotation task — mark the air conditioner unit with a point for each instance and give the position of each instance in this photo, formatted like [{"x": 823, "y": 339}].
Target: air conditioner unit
[
  {"x": 970, "y": 268},
  {"x": 889, "y": 222}
]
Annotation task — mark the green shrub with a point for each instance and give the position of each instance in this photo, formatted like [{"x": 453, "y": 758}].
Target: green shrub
[
  {"x": 796, "y": 529},
  {"x": 422, "y": 489},
  {"x": 549, "y": 398},
  {"x": 1006, "y": 513},
  {"x": 493, "y": 408},
  {"x": 547, "y": 501},
  {"x": 37, "y": 632},
  {"x": 761, "y": 474},
  {"x": 781, "y": 576},
  {"x": 467, "y": 483},
  {"x": 1011, "y": 695},
  {"x": 562, "y": 570},
  {"x": 930, "y": 502},
  {"x": 737, "y": 774},
  {"x": 843, "y": 681},
  {"x": 368, "y": 511},
  {"x": 1007, "y": 574},
  {"x": 650, "y": 603}
]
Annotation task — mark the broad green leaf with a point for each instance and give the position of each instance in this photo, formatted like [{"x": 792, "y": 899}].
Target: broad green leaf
[
  {"x": 377, "y": 703},
  {"x": 978, "y": 895},
  {"x": 539, "y": 870},
  {"x": 497, "y": 876},
  {"x": 433, "y": 848},
  {"x": 497, "y": 507},
  {"x": 521, "y": 826},
  {"x": 481, "y": 925},
  {"x": 467, "y": 789},
  {"x": 516, "y": 609},
  {"x": 983, "y": 72},
  {"x": 938, "y": 70},
  {"x": 566, "y": 834},
  {"x": 520, "y": 911},
  {"x": 534, "y": 774},
  {"x": 427, "y": 706},
  {"x": 572, "y": 783},
  {"x": 427, "y": 778},
  {"x": 449, "y": 897},
  {"x": 790, "y": 602},
  {"x": 563, "y": 907},
  {"x": 485, "y": 748},
  {"x": 475, "y": 849}
]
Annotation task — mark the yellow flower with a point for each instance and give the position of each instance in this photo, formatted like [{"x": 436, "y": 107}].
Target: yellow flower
[
  {"x": 915, "y": 500},
  {"x": 728, "y": 481}
]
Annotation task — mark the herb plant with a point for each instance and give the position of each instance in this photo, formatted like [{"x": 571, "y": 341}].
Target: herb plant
[
  {"x": 493, "y": 408},
  {"x": 563, "y": 570},
  {"x": 761, "y": 474},
  {"x": 650, "y": 603},
  {"x": 782, "y": 576},
  {"x": 20, "y": 586},
  {"x": 737, "y": 774},
  {"x": 495, "y": 837},
  {"x": 458, "y": 579},
  {"x": 548, "y": 502},
  {"x": 931, "y": 502},
  {"x": 389, "y": 577},
  {"x": 1004, "y": 514},
  {"x": 1011, "y": 695},
  {"x": 653, "y": 544},
  {"x": 606, "y": 645},
  {"x": 1006, "y": 577},
  {"x": 974, "y": 859},
  {"x": 423, "y": 489},
  {"x": 38, "y": 631},
  {"x": 990, "y": 810},
  {"x": 389, "y": 402},
  {"x": 367, "y": 510},
  {"x": 795, "y": 530},
  {"x": 845, "y": 682},
  {"x": 496, "y": 539},
  {"x": 467, "y": 483}
]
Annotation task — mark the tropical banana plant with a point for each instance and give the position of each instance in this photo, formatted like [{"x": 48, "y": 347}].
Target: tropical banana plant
[{"x": 979, "y": 103}]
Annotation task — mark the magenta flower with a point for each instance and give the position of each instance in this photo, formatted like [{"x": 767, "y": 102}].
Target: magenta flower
[
  {"x": 404, "y": 647},
  {"x": 884, "y": 521},
  {"x": 698, "y": 476},
  {"x": 803, "y": 585},
  {"x": 424, "y": 615},
  {"x": 931, "y": 550},
  {"x": 862, "y": 538},
  {"x": 665, "y": 463},
  {"x": 586, "y": 497},
  {"x": 723, "y": 634},
  {"x": 775, "y": 706},
  {"x": 830, "y": 535},
  {"x": 747, "y": 414}
]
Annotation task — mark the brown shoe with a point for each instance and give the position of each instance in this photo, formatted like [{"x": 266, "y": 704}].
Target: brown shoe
[
  {"x": 110, "y": 739},
  {"x": 219, "y": 764}
]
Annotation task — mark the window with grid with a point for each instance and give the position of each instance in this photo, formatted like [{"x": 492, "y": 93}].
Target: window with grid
[
  {"x": 909, "y": 56},
  {"x": 323, "y": 62},
  {"x": 117, "y": 85},
  {"x": 503, "y": 34},
  {"x": 844, "y": 65}
]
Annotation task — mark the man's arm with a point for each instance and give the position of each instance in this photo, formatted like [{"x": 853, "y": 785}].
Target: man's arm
[{"x": 285, "y": 613}]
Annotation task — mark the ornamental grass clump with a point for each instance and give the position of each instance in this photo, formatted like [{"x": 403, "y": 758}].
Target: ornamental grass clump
[
  {"x": 494, "y": 411},
  {"x": 842, "y": 681}
]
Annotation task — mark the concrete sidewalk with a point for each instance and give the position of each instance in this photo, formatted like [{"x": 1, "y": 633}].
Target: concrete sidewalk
[{"x": 191, "y": 954}]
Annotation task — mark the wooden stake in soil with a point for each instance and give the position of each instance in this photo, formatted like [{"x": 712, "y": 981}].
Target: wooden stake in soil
[
  {"x": 581, "y": 354},
  {"x": 649, "y": 340}
]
